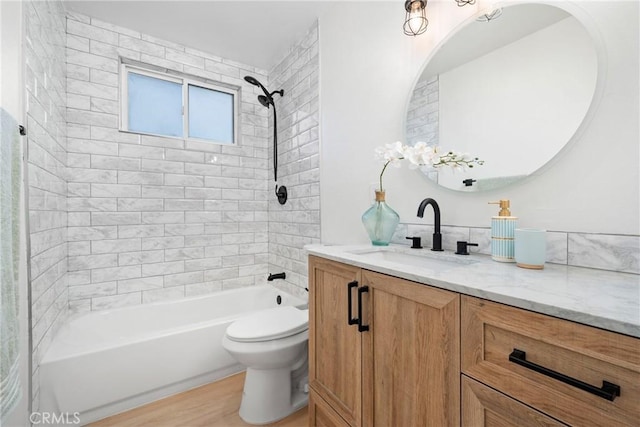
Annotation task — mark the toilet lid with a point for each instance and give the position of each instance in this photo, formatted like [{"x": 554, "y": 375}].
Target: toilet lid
[{"x": 270, "y": 324}]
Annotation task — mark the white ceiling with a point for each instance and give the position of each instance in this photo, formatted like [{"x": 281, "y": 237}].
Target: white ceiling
[{"x": 256, "y": 33}]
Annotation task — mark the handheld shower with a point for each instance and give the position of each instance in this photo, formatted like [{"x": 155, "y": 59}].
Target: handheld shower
[{"x": 267, "y": 100}]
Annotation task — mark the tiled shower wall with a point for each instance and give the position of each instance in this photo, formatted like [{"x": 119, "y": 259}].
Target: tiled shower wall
[
  {"x": 44, "y": 52},
  {"x": 154, "y": 218},
  {"x": 297, "y": 223}
]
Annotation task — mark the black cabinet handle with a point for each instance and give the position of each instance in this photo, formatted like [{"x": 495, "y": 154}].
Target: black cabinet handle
[
  {"x": 350, "y": 319},
  {"x": 361, "y": 327},
  {"x": 608, "y": 390}
]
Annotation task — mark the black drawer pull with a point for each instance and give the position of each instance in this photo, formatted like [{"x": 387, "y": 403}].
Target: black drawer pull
[
  {"x": 361, "y": 327},
  {"x": 350, "y": 319},
  {"x": 608, "y": 390}
]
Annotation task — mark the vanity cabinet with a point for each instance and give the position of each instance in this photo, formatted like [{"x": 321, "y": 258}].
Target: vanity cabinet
[
  {"x": 382, "y": 350},
  {"x": 574, "y": 373}
]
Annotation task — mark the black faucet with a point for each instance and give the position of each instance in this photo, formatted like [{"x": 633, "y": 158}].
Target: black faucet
[{"x": 437, "y": 237}]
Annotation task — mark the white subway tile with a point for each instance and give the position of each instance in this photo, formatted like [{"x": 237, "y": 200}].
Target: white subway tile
[
  {"x": 92, "y": 261},
  {"x": 202, "y": 264},
  {"x": 140, "y": 45},
  {"x": 114, "y": 163},
  {"x": 92, "y": 32},
  {"x": 93, "y": 290},
  {"x": 139, "y": 205},
  {"x": 92, "y": 61},
  {"x": 142, "y": 284},
  {"x": 104, "y": 78},
  {"x": 155, "y": 243},
  {"x": 128, "y": 177},
  {"x": 115, "y": 246},
  {"x": 91, "y": 204},
  {"x": 162, "y": 166},
  {"x": 91, "y": 233},
  {"x": 129, "y": 150},
  {"x": 183, "y": 254},
  {"x": 140, "y": 257},
  {"x": 183, "y": 180},
  {"x": 163, "y": 268},
  {"x": 115, "y": 273},
  {"x": 162, "y": 217},
  {"x": 184, "y": 58},
  {"x": 76, "y": 145},
  {"x": 114, "y": 218},
  {"x": 183, "y": 205},
  {"x": 129, "y": 231},
  {"x": 183, "y": 278},
  {"x": 115, "y": 190}
]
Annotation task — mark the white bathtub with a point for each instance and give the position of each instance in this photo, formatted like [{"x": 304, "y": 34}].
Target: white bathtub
[{"x": 102, "y": 363}]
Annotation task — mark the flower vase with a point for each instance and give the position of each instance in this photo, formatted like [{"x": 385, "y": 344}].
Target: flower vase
[{"x": 380, "y": 221}]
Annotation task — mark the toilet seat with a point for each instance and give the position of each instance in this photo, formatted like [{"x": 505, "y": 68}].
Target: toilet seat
[{"x": 271, "y": 324}]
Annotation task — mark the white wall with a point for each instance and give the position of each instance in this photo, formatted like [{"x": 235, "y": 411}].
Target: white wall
[{"x": 367, "y": 72}]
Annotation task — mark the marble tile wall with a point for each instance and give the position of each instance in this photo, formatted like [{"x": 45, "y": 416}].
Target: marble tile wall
[
  {"x": 296, "y": 223},
  {"x": 153, "y": 218},
  {"x": 44, "y": 53},
  {"x": 602, "y": 251}
]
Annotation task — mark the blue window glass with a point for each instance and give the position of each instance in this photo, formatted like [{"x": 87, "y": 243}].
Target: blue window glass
[
  {"x": 155, "y": 105},
  {"x": 210, "y": 114}
]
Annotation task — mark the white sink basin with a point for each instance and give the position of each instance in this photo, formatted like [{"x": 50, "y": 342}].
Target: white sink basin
[{"x": 424, "y": 258}]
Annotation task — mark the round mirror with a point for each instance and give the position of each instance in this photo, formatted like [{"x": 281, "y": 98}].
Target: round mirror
[{"x": 511, "y": 91}]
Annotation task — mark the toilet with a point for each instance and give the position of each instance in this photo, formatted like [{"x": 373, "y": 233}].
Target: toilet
[{"x": 272, "y": 344}]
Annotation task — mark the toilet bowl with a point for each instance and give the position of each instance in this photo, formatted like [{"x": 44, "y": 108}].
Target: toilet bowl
[{"x": 272, "y": 344}]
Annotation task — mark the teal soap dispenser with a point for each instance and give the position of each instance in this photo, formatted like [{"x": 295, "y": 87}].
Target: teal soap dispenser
[{"x": 503, "y": 229}]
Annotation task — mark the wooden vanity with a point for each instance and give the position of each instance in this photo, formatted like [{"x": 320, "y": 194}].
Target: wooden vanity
[{"x": 386, "y": 351}]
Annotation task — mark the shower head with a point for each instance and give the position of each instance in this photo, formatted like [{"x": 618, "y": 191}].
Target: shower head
[
  {"x": 255, "y": 82},
  {"x": 265, "y": 101}
]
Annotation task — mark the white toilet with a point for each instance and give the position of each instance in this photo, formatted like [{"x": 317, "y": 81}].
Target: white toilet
[{"x": 272, "y": 344}]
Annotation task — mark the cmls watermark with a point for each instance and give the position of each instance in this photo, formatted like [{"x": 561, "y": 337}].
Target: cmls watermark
[{"x": 52, "y": 418}]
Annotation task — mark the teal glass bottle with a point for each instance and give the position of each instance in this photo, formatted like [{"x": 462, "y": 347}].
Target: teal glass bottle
[{"x": 380, "y": 221}]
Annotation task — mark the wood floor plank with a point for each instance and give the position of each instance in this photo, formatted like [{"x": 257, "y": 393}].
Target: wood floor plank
[{"x": 212, "y": 405}]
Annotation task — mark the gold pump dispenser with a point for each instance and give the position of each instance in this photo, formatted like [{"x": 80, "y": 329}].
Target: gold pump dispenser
[
  {"x": 503, "y": 229},
  {"x": 504, "y": 207}
]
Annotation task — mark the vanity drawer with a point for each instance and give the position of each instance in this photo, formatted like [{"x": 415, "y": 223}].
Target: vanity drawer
[{"x": 491, "y": 332}]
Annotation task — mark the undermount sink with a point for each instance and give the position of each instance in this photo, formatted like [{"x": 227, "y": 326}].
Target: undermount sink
[{"x": 429, "y": 260}]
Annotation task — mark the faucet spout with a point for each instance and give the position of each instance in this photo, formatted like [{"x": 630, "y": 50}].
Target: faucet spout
[{"x": 437, "y": 236}]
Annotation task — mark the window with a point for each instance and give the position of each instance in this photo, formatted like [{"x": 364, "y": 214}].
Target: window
[{"x": 167, "y": 105}]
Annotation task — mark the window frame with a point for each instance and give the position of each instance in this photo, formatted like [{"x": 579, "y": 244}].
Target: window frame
[{"x": 185, "y": 81}]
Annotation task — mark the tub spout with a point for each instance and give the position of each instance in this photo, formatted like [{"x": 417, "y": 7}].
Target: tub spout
[{"x": 272, "y": 277}]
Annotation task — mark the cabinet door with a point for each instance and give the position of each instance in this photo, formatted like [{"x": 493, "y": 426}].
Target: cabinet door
[
  {"x": 321, "y": 414},
  {"x": 482, "y": 406},
  {"x": 335, "y": 370},
  {"x": 411, "y": 353}
]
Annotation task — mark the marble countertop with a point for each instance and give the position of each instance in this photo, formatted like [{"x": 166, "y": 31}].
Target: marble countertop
[{"x": 600, "y": 298}]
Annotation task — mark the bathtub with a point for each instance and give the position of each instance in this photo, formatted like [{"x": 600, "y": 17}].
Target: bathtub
[{"x": 106, "y": 362}]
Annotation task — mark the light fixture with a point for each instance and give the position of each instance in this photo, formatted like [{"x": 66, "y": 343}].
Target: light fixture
[
  {"x": 415, "y": 22},
  {"x": 490, "y": 16},
  {"x": 465, "y": 2}
]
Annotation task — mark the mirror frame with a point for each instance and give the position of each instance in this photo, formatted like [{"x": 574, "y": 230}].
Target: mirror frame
[{"x": 590, "y": 27}]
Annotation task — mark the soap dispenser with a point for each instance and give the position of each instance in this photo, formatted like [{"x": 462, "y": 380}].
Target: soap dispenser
[{"x": 503, "y": 229}]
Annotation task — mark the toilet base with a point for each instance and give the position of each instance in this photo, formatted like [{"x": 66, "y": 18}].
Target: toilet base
[{"x": 267, "y": 395}]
